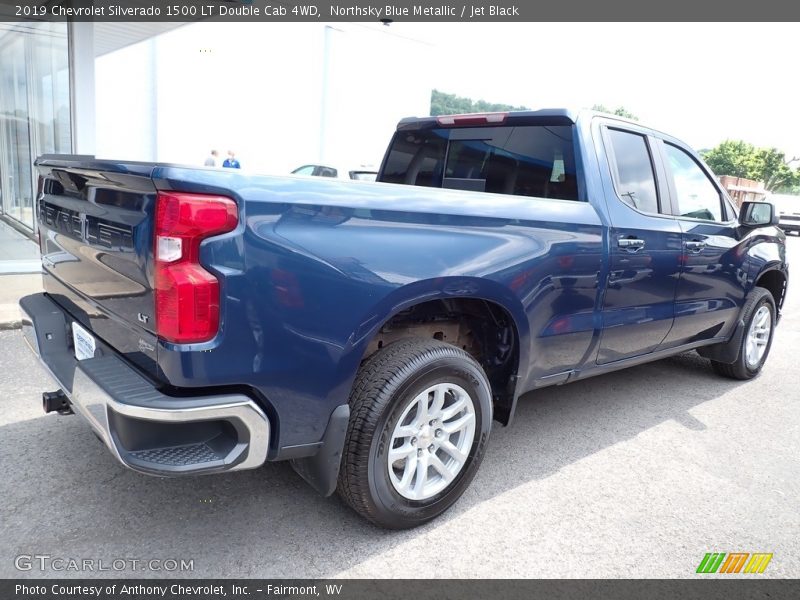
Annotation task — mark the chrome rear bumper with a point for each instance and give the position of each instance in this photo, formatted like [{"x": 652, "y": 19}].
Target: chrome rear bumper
[{"x": 145, "y": 429}]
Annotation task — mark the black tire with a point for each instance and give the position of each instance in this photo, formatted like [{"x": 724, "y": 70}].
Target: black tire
[
  {"x": 387, "y": 383},
  {"x": 740, "y": 368}
]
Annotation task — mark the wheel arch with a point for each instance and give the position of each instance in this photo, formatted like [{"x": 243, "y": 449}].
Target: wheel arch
[
  {"x": 773, "y": 280},
  {"x": 434, "y": 300}
]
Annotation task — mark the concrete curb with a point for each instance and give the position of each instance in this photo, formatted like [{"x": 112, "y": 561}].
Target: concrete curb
[{"x": 12, "y": 288}]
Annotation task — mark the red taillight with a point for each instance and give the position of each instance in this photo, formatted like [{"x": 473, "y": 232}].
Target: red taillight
[
  {"x": 186, "y": 295},
  {"x": 472, "y": 119}
]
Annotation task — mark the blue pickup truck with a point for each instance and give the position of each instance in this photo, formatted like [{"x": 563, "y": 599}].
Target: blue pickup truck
[{"x": 209, "y": 320}]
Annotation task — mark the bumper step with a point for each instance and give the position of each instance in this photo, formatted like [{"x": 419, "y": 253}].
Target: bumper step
[{"x": 189, "y": 454}]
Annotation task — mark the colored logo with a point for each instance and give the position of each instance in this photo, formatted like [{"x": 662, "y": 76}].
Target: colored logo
[{"x": 734, "y": 562}]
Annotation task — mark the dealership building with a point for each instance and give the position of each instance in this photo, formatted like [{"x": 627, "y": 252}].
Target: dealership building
[{"x": 278, "y": 94}]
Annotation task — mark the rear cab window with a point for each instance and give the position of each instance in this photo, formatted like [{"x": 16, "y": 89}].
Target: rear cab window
[{"x": 524, "y": 160}]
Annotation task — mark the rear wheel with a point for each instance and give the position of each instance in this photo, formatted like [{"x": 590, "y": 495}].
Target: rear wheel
[
  {"x": 421, "y": 414},
  {"x": 758, "y": 315}
]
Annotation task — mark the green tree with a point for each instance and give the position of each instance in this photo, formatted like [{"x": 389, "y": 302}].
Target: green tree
[
  {"x": 775, "y": 171},
  {"x": 768, "y": 165},
  {"x": 732, "y": 157},
  {"x": 620, "y": 111},
  {"x": 450, "y": 104}
]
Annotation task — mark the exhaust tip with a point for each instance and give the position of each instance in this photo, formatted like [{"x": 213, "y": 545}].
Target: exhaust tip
[{"x": 56, "y": 402}]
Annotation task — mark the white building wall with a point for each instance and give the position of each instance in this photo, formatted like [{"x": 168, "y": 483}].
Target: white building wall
[
  {"x": 279, "y": 95},
  {"x": 125, "y": 103}
]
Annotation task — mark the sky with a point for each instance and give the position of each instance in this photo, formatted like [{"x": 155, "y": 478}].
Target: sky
[
  {"x": 284, "y": 94},
  {"x": 281, "y": 95},
  {"x": 701, "y": 82}
]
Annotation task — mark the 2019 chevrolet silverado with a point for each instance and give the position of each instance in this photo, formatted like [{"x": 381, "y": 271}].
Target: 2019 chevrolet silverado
[{"x": 205, "y": 321}]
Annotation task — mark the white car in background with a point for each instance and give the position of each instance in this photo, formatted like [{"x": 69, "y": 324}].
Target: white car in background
[
  {"x": 788, "y": 207},
  {"x": 361, "y": 173}
]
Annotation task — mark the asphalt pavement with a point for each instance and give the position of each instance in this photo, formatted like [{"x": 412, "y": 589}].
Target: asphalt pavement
[{"x": 634, "y": 474}]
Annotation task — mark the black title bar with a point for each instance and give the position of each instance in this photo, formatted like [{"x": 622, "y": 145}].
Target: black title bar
[{"x": 395, "y": 10}]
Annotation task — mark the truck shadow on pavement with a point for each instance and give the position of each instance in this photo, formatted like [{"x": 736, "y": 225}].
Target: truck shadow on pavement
[{"x": 64, "y": 495}]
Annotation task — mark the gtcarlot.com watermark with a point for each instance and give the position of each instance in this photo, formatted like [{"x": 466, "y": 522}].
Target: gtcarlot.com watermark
[{"x": 47, "y": 562}]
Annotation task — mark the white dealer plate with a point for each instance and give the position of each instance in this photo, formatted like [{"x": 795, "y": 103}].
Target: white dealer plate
[{"x": 83, "y": 341}]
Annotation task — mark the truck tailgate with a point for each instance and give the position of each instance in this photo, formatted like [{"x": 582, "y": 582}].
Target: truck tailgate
[{"x": 96, "y": 240}]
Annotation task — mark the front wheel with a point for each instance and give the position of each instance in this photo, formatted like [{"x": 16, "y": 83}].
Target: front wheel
[
  {"x": 421, "y": 413},
  {"x": 758, "y": 315}
]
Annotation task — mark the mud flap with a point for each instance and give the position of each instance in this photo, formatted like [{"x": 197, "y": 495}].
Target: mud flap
[
  {"x": 727, "y": 352},
  {"x": 322, "y": 470}
]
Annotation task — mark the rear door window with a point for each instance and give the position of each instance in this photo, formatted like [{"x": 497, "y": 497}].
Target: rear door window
[
  {"x": 633, "y": 170},
  {"x": 530, "y": 160}
]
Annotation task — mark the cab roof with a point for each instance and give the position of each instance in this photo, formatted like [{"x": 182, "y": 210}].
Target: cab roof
[{"x": 552, "y": 116}]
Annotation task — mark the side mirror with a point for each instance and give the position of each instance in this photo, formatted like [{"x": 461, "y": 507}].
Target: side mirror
[{"x": 758, "y": 214}]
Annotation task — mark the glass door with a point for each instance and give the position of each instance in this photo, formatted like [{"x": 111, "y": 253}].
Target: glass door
[
  {"x": 15, "y": 149},
  {"x": 34, "y": 110}
]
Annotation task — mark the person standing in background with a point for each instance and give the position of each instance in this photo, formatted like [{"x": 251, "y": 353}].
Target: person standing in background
[
  {"x": 231, "y": 162},
  {"x": 211, "y": 161}
]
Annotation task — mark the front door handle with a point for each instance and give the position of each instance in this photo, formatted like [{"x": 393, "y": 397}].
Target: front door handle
[
  {"x": 630, "y": 244},
  {"x": 695, "y": 245}
]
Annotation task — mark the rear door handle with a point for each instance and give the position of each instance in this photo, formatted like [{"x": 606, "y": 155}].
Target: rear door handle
[
  {"x": 630, "y": 244},
  {"x": 695, "y": 245}
]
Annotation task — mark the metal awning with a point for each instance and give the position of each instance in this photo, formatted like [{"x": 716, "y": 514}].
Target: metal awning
[{"x": 109, "y": 37}]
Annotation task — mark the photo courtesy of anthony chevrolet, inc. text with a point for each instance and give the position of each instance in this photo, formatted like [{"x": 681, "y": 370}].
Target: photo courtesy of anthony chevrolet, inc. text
[{"x": 399, "y": 299}]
